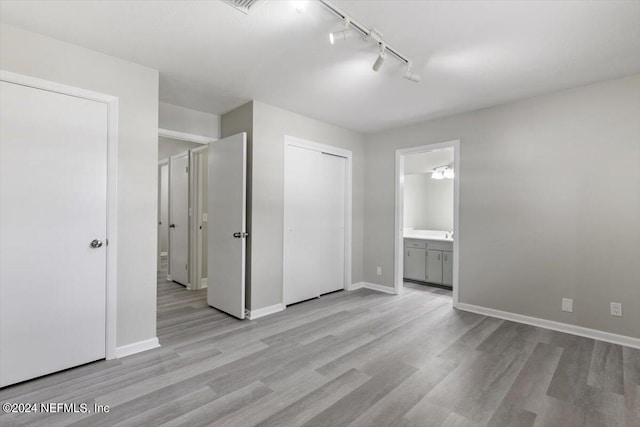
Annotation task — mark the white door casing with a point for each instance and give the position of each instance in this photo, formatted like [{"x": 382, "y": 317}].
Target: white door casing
[
  {"x": 53, "y": 204},
  {"x": 179, "y": 218},
  {"x": 227, "y": 224}
]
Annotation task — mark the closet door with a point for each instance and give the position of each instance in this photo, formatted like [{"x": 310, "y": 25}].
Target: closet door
[
  {"x": 53, "y": 224},
  {"x": 314, "y": 218}
]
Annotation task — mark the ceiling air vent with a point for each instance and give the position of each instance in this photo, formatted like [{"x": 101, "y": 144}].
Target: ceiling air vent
[{"x": 243, "y": 6}]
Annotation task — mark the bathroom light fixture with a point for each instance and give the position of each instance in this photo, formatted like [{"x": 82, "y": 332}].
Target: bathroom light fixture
[
  {"x": 380, "y": 59},
  {"x": 448, "y": 173},
  {"x": 372, "y": 34},
  {"x": 342, "y": 34},
  {"x": 442, "y": 172}
]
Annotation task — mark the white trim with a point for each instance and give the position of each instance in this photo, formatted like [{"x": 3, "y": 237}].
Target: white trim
[
  {"x": 261, "y": 312},
  {"x": 348, "y": 155},
  {"x": 204, "y": 282},
  {"x": 553, "y": 325},
  {"x": 183, "y": 136},
  {"x": 355, "y": 286},
  {"x": 137, "y": 347},
  {"x": 379, "y": 288},
  {"x": 399, "y": 212},
  {"x": 372, "y": 286},
  {"x": 112, "y": 190}
]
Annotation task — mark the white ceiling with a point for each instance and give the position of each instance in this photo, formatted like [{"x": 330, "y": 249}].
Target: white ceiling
[{"x": 471, "y": 54}]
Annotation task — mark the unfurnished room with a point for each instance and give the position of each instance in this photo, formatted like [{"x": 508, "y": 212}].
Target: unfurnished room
[{"x": 363, "y": 213}]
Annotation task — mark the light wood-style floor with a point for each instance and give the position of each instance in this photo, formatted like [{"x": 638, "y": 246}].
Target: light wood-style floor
[{"x": 357, "y": 358}]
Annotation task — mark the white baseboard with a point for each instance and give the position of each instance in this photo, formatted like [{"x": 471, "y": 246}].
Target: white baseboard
[
  {"x": 372, "y": 286},
  {"x": 553, "y": 325},
  {"x": 354, "y": 286},
  {"x": 169, "y": 278},
  {"x": 204, "y": 282},
  {"x": 137, "y": 347},
  {"x": 261, "y": 312}
]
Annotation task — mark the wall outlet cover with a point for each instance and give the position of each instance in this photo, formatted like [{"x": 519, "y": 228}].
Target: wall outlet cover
[
  {"x": 379, "y": 271},
  {"x": 616, "y": 309},
  {"x": 567, "y": 305}
]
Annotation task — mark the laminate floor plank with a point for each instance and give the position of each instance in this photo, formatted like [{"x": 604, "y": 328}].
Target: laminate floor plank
[{"x": 360, "y": 358}]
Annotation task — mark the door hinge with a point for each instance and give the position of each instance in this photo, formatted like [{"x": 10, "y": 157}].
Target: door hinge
[
  {"x": 186, "y": 266},
  {"x": 187, "y": 169}
]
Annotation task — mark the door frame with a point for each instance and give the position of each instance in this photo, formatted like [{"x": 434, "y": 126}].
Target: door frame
[
  {"x": 399, "y": 212},
  {"x": 196, "y": 208},
  {"x": 348, "y": 221},
  {"x": 112, "y": 189}
]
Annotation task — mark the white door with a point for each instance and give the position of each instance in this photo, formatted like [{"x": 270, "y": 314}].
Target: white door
[
  {"x": 179, "y": 218},
  {"x": 163, "y": 211},
  {"x": 314, "y": 216},
  {"x": 53, "y": 192},
  {"x": 227, "y": 224}
]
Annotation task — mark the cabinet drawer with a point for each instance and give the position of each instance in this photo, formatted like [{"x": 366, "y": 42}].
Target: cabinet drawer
[
  {"x": 411, "y": 243},
  {"x": 441, "y": 246}
]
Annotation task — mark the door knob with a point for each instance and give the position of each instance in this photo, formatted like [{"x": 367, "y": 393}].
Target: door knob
[
  {"x": 172, "y": 226},
  {"x": 95, "y": 243}
]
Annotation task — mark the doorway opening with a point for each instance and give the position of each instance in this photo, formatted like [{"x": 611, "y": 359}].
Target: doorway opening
[{"x": 427, "y": 216}]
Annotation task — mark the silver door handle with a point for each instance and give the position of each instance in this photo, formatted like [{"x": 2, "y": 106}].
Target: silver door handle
[
  {"x": 95, "y": 243},
  {"x": 240, "y": 235}
]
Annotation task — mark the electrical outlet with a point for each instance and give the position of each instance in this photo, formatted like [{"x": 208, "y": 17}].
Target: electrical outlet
[
  {"x": 379, "y": 271},
  {"x": 567, "y": 305},
  {"x": 616, "y": 309}
]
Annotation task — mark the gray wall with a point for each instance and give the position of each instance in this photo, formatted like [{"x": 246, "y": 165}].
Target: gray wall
[
  {"x": 549, "y": 203},
  {"x": 174, "y": 117},
  {"x": 168, "y": 147},
  {"x": 137, "y": 90},
  {"x": 231, "y": 123},
  {"x": 267, "y": 127},
  {"x": 428, "y": 203},
  {"x": 270, "y": 125}
]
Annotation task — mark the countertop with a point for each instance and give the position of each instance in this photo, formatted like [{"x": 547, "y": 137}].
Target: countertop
[{"x": 438, "y": 236}]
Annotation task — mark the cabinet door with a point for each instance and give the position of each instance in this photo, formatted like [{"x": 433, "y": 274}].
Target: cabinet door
[
  {"x": 447, "y": 268},
  {"x": 414, "y": 263},
  {"x": 434, "y": 266}
]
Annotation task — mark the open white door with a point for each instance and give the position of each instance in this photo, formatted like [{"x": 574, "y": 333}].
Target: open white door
[
  {"x": 53, "y": 223},
  {"x": 227, "y": 224},
  {"x": 179, "y": 218}
]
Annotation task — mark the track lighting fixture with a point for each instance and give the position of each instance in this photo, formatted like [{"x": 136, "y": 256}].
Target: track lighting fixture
[
  {"x": 351, "y": 26},
  {"x": 380, "y": 59},
  {"x": 343, "y": 34},
  {"x": 411, "y": 76}
]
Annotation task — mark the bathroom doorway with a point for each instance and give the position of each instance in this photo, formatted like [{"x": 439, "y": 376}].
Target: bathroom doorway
[{"x": 427, "y": 198}]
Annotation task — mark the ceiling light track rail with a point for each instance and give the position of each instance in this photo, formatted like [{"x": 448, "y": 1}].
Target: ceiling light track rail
[{"x": 351, "y": 23}]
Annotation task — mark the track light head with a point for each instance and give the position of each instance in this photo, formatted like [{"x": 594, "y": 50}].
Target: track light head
[
  {"x": 343, "y": 34},
  {"x": 340, "y": 35},
  {"x": 380, "y": 59},
  {"x": 410, "y": 75}
]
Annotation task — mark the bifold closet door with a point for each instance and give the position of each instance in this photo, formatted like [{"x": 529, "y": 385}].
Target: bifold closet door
[
  {"x": 53, "y": 225},
  {"x": 314, "y": 220},
  {"x": 179, "y": 218}
]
